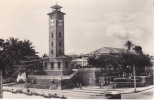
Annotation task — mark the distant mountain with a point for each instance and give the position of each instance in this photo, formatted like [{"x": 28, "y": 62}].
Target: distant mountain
[
  {"x": 73, "y": 55},
  {"x": 108, "y": 50}
]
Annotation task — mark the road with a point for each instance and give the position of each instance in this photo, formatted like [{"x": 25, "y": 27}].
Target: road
[{"x": 147, "y": 94}]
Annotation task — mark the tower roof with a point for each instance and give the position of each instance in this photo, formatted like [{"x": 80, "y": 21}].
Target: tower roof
[{"x": 56, "y": 6}]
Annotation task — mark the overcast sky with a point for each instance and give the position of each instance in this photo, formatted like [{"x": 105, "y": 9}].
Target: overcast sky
[{"x": 89, "y": 24}]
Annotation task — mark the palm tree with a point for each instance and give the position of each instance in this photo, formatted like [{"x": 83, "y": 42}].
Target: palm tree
[
  {"x": 129, "y": 44},
  {"x": 16, "y": 51},
  {"x": 44, "y": 55},
  {"x": 138, "y": 49}
]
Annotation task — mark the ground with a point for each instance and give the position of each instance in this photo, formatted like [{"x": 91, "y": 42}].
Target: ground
[
  {"x": 147, "y": 94},
  {"x": 90, "y": 92}
]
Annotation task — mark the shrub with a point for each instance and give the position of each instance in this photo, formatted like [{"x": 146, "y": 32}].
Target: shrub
[{"x": 8, "y": 80}]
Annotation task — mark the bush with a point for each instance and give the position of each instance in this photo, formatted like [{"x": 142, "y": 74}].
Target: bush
[
  {"x": 21, "y": 81},
  {"x": 8, "y": 80}
]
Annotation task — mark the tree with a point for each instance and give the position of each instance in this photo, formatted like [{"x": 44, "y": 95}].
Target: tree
[
  {"x": 44, "y": 55},
  {"x": 15, "y": 51},
  {"x": 138, "y": 49},
  {"x": 129, "y": 44},
  {"x": 140, "y": 61}
]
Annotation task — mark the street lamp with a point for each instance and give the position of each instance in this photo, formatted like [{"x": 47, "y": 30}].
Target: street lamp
[{"x": 134, "y": 78}]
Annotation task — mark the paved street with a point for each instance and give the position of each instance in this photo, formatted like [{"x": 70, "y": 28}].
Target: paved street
[{"x": 147, "y": 94}]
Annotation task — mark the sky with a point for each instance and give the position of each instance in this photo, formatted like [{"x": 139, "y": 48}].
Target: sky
[{"x": 89, "y": 24}]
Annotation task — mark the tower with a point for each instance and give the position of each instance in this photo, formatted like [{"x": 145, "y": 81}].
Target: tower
[
  {"x": 57, "y": 64},
  {"x": 56, "y": 32}
]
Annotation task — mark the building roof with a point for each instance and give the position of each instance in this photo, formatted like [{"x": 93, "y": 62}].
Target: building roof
[
  {"x": 109, "y": 50},
  {"x": 77, "y": 60},
  {"x": 56, "y": 7}
]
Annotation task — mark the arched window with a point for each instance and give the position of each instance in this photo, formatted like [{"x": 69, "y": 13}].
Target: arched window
[
  {"x": 51, "y": 51},
  {"x": 60, "y": 51},
  {"x": 51, "y": 16},
  {"x": 52, "y": 35},
  {"x": 60, "y": 17},
  {"x": 51, "y": 43},
  {"x": 60, "y": 43},
  {"x": 59, "y": 34}
]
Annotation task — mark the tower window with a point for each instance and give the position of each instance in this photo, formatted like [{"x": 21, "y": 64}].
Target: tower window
[
  {"x": 51, "y": 51},
  {"x": 60, "y": 51},
  {"x": 51, "y": 43},
  {"x": 60, "y": 43},
  {"x": 52, "y": 35},
  {"x": 51, "y": 16},
  {"x": 60, "y": 17},
  {"x": 59, "y": 34}
]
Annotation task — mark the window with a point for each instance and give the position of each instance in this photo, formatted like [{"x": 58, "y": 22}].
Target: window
[
  {"x": 52, "y": 35},
  {"x": 59, "y": 34},
  {"x": 66, "y": 64},
  {"x": 51, "y": 43},
  {"x": 51, "y": 16},
  {"x": 52, "y": 65},
  {"x": 60, "y": 51},
  {"x": 51, "y": 51},
  {"x": 60, "y": 17},
  {"x": 45, "y": 66},
  {"x": 60, "y": 43},
  {"x": 59, "y": 64}
]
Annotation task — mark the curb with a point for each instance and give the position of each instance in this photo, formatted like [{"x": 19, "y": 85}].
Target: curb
[{"x": 138, "y": 91}]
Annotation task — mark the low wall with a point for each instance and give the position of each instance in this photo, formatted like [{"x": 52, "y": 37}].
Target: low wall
[{"x": 57, "y": 72}]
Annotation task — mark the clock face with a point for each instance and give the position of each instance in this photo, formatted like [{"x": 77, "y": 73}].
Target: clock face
[
  {"x": 60, "y": 22},
  {"x": 52, "y": 22}
]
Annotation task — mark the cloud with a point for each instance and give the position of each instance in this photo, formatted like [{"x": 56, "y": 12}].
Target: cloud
[
  {"x": 89, "y": 24},
  {"x": 117, "y": 31}
]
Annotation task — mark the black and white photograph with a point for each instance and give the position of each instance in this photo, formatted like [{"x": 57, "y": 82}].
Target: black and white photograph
[{"x": 77, "y": 49}]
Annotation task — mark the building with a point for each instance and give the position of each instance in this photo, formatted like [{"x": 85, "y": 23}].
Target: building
[
  {"x": 83, "y": 61},
  {"x": 56, "y": 66},
  {"x": 57, "y": 63}
]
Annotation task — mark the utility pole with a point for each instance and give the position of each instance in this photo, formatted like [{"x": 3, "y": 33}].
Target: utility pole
[{"x": 134, "y": 78}]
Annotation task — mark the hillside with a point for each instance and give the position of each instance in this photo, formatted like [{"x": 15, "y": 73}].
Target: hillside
[{"x": 108, "y": 50}]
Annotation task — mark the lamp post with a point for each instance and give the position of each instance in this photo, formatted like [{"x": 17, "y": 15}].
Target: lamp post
[{"x": 134, "y": 78}]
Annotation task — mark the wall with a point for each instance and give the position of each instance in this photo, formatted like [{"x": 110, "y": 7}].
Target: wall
[{"x": 87, "y": 76}]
